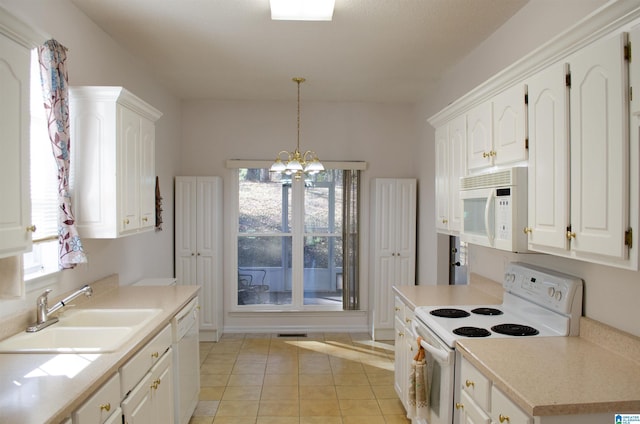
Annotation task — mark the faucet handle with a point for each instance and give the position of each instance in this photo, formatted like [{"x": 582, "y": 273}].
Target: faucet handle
[{"x": 44, "y": 295}]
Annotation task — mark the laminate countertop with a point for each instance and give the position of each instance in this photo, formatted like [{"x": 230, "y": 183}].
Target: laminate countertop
[
  {"x": 480, "y": 292},
  {"x": 594, "y": 373},
  {"x": 47, "y": 388}
]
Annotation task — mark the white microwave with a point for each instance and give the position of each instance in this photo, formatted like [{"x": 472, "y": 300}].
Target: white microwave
[{"x": 494, "y": 209}]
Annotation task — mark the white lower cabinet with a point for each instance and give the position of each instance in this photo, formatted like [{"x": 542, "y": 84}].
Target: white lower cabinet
[
  {"x": 405, "y": 350},
  {"x": 151, "y": 401},
  {"x": 480, "y": 401},
  {"x": 147, "y": 383},
  {"x": 103, "y": 406}
]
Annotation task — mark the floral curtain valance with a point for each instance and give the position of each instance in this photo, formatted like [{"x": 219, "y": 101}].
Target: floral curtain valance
[{"x": 53, "y": 73}]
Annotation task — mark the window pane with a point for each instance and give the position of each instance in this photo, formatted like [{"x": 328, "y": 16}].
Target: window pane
[
  {"x": 322, "y": 270},
  {"x": 323, "y": 203},
  {"x": 264, "y": 270},
  {"x": 262, "y": 199}
]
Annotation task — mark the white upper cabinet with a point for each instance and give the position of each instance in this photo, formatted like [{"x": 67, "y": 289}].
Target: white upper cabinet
[
  {"x": 496, "y": 130},
  {"x": 510, "y": 125},
  {"x": 599, "y": 149},
  {"x": 15, "y": 212},
  {"x": 548, "y": 190},
  {"x": 480, "y": 151},
  {"x": 113, "y": 178},
  {"x": 450, "y": 166}
]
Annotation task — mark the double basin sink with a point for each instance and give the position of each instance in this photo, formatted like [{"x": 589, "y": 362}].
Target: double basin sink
[{"x": 82, "y": 331}]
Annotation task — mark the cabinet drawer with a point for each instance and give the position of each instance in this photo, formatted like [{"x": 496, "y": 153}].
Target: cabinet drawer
[
  {"x": 503, "y": 410},
  {"x": 133, "y": 371},
  {"x": 476, "y": 385},
  {"x": 471, "y": 412},
  {"x": 101, "y": 405}
]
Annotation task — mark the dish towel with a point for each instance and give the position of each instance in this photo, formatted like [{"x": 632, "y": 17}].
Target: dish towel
[{"x": 418, "y": 385}]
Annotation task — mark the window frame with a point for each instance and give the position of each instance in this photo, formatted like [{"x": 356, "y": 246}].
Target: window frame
[{"x": 233, "y": 214}]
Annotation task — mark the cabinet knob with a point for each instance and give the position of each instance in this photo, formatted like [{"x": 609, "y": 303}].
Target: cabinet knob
[
  {"x": 400, "y": 333},
  {"x": 31, "y": 229},
  {"x": 154, "y": 355},
  {"x": 105, "y": 407},
  {"x": 126, "y": 221},
  {"x": 145, "y": 219},
  {"x": 469, "y": 383},
  {"x": 570, "y": 235},
  {"x": 503, "y": 418},
  {"x": 459, "y": 405},
  {"x": 528, "y": 230},
  {"x": 485, "y": 155},
  {"x": 493, "y": 153},
  {"x": 397, "y": 309},
  {"x": 444, "y": 221},
  {"x": 407, "y": 320}
]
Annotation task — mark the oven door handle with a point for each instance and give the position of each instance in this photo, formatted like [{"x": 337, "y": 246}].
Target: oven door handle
[{"x": 442, "y": 355}]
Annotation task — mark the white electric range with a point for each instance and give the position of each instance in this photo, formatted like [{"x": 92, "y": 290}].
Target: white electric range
[{"x": 537, "y": 302}]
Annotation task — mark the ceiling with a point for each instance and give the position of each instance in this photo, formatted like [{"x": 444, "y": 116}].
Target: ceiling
[{"x": 373, "y": 50}]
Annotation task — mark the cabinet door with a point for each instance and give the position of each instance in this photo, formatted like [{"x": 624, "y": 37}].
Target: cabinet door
[
  {"x": 509, "y": 125},
  {"x": 599, "y": 149},
  {"x": 442, "y": 178},
  {"x": 137, "y": 408},
  {"x": 548, "y": 182},
  {"x": 634, "y": 70},
  {"x": 101, "y": 405},
  {"x": 185, "y": 230},
  {"x": 15, "y": 212},
  {"x": 405, "y": 230},
  {"x": 208, "y": 262},
  {"x": 470, "y": 412},
  {"x": 147, "y": 174},
  {"x": 400, "y": 365},
  {"x": 129, "y": 169},
  {"x": 457, "y": 169},
  {"x": 479, "y": 137},
  {"x": 162, "y": 388}
]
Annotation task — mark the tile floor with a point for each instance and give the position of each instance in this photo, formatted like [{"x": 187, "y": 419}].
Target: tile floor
[{"x": 324, "y": 378}]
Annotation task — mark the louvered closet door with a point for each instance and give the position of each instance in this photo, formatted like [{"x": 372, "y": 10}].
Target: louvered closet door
[{"x": 599, "y": 149}]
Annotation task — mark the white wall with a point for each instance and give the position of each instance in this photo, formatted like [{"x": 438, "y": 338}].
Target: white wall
[
  {"x": 383, "y": 135},
  {"x": 95, "y": 59},
  {"x": 610, "y": 294}
]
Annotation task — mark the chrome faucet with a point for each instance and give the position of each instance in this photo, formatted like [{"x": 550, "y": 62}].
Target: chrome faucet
[{"x": 43, "y": 311}]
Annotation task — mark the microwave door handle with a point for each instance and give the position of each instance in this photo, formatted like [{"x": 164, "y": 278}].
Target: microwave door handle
[
  {"x": 487, "y": 209},
  {"x": 441, "y": 355}
]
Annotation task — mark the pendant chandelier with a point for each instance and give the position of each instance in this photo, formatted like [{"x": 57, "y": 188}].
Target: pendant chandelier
[{"x": 296, "y": 163}]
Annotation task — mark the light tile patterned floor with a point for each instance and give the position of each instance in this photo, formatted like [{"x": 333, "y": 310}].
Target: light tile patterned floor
[{"x": 325, "y": 378}]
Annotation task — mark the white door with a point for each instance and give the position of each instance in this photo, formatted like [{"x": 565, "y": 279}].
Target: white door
[
  {"x": 15, "y": 212},
  {"x": 129, "y": 169},
  {"x": 548, "y": 181},
  {"x": 405, "y": 231},
  {"x": 147, "y": 174},
  {"x": 457, "y": 169},
  {"x": 480, "y": 137},
  {"x": 599, "y": 149},
  {"x": 442, "y": 178},
  {"x": 185, "y": 230},
  {"x": 206, "y": 253},
  {"x": 509, "y": 125}
]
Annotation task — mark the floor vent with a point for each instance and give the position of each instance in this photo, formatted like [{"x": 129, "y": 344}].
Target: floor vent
[{"x": 292, "y": 335}]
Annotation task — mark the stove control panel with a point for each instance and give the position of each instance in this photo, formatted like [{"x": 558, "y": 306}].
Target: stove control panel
[{"x": 551, "y": 289}]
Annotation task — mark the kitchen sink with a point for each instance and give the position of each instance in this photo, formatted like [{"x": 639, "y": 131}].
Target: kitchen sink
[
  {"x": 67, "y": 340},
  {"x": 106, "y": 317},
  {"x": 82, "y": 331}
]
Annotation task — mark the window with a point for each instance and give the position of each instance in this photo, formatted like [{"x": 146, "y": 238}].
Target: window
[
  {"x": 43, "y": 258},
  {"x": 291, "y": 244}
]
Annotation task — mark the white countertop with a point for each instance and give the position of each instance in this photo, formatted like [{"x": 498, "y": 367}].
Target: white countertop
[{"x": 33, "y": 387}]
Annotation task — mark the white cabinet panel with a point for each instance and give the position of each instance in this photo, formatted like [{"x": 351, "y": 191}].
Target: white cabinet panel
[
  {"x": 198, "y": 246},
  {"x": 548, "y": 189},
  {"x": 479, "y": 137},
  {"x": 15, "y": 212},
  {"x": 599, "y": 149},
  {"x": 509, "y": 126},
  {"x": 450, "y": 166},
  {"x": 101, "y": 405}
]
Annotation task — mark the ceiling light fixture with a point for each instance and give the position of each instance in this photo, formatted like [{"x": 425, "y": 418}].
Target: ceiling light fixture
[
  {"x": 302, "y": 10},
  {"x": 296, "y": 163}
]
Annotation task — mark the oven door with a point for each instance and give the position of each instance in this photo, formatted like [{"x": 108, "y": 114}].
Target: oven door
[{"x": 441, "y": 366}]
